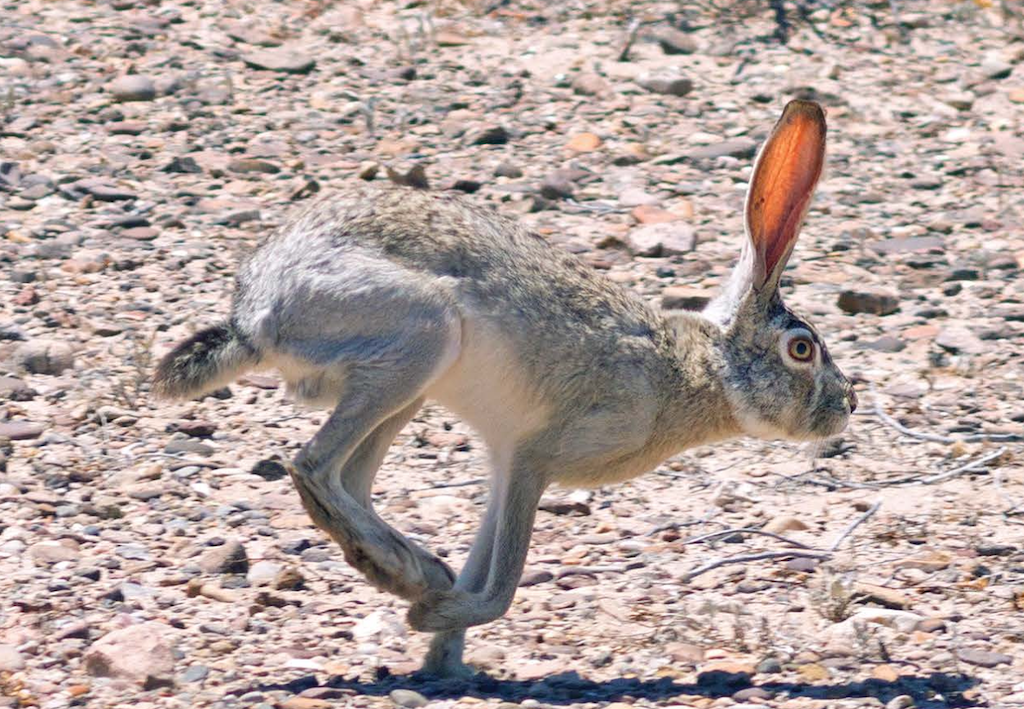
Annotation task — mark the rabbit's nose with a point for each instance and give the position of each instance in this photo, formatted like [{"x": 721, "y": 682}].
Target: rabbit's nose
[{"x": 851, "y": 398}]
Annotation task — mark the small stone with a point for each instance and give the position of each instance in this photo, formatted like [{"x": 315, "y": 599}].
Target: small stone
[
  {"x": 15, "y": 389},
  {"x": 270, "y": 469},
  {"x": 887, "y": 343},
  {"x": 994, "y": 67},
  {"x": 813, "y": 672},
  {"x": 368, "y": 170},
  {"x": 195, "y": 673},
  {"x": 873, "y": 301},
  {"x": 21, "y": 430},
  {"x": 489, "y": 135},
  {"x": 141, "y": 233},
  {"x": 248, "y": 166},
  {"x": 197, "y": 429},
  {"x": 306, "y": 703},
  {"x": 101, "y": 190},
  {"x": 189, "y": 446},
  {"x": 139, "y": 652},
  {"x": 10, "y": 659},
  {"x": 263, "y": 573},
  {"x": 960, "y": 340},
  {"x": 888, "y": 597},
  {"x": 280, "y": 60},
  {"x": 408, "y": 698},
  {"x": 673, "y": 41},
  {"x": 886, "y": 673},
  {"x": 769, "y": 665},
  {"x": 289, "y": 579},
  {"x": 556, "y": 186},
  {"x": 183, "y": 165},
  {"x": 133, "y": 87},
  {"x": 666, "y": 239},
  {"x": 229, "y": 558},
  {"x": 45, "y": 356},
  {"x": 450, "y": 38},
  {"x": 565, "y": 508},
  {"x": 584, "y": 143},
  {"x": 740, "y": 148},
  {"x": 983, "y": 658},
  {"x": 126, "y": 128},
  {"x": 532, "y": 577},
  {"x": 685, "y": 298},
  {"x": 751, "y": 693},
  {"x": 803, "y": 564},
  {"x": 587, "y": 83},
  {"x": 666, "y": 84},
  {"x": 785, "y": 523},
  {"x": 507, "y": 169}
]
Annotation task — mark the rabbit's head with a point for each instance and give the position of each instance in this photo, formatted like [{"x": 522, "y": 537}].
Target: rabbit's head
[{"x": 778, "y": 375}]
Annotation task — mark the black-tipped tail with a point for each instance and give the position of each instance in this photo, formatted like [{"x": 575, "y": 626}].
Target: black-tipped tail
[{"x": 206, "y": 361}]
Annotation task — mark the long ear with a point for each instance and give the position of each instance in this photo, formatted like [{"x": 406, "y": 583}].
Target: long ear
[{"x": 785, "y": 174}]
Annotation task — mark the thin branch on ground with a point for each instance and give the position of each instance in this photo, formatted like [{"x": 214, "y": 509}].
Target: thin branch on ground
[
  {"x": 803, "y": 552},
  {"x": 631, "y": 32},
  {"x": 972, "y": 466},
  {"x": 856, "y": 523},
  {"x": 936, "y": 438},
  {"x": 746, "y": 530},
  {"x": 743, "y": 558}
]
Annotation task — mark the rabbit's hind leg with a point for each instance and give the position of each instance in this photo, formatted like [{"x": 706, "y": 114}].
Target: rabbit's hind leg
[{"x": 334, "y": 471}]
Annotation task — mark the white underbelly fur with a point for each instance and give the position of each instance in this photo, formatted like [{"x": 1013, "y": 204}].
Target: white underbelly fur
[{"x": 487, "y": 388}]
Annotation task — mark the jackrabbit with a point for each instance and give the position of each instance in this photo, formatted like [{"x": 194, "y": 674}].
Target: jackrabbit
[{"x": 375, "y": 300}]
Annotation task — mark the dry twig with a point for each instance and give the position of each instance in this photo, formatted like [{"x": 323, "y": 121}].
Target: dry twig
[
  {"x": 856, "y": 523},
  {"x": 743, "y": 558}
]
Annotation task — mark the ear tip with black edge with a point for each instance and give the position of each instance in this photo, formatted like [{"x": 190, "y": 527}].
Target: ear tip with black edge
[{"x": 810, "y": 109}]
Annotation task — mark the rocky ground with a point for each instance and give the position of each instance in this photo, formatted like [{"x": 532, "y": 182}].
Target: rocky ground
[{"x": 151, "y": 555}]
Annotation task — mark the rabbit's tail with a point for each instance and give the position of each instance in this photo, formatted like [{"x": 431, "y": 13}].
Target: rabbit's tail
[{"x": 206, "y": 361}]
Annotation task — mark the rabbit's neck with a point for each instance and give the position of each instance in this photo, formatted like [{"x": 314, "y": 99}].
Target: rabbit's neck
[{"x": 697, "y": 410}]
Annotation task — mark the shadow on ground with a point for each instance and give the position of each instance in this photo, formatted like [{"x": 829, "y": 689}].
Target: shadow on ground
[{"x": 935, "y": 691}]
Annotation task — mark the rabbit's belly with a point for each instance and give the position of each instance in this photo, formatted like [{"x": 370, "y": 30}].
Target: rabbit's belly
[{"x": 488, "y": 388}]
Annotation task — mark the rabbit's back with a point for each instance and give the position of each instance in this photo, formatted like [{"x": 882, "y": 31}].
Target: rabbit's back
[{"x": 492, "y": 266}]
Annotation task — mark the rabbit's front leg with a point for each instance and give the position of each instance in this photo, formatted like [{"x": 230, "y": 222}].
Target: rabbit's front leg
[
  {"x": 444, "y": 658},
  {"x": 458, "y": 608}
]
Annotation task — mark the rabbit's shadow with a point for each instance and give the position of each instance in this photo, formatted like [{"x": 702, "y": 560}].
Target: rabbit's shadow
[{"x": 936, "y": 690}]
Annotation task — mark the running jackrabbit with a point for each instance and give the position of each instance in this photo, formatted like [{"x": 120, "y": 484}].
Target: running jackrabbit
[{"x": 375, "y": 300}]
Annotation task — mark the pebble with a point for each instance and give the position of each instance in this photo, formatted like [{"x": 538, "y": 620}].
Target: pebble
[
  {"x": 673, "y": 41},
  {"x": 228, "y": 558},
  {"x": 666, "y": 84},
  {"x": 685, "y": 298},
  {"x": 408, "y": 698},
  {"x": 875, "y": 301},
  {"x": 21, "y": 430},
  {"x": 133, "y": 87},
  {"x": 10, "y": 659},
  {"x": 138, "y": 652},
  {"x": 280, "y": 60},
  {"x": 666, "y": 239},
  {"x": 983, "y": 658},
  {"x": 42, "y": 356},
  {"x": 489, "y": 135}
]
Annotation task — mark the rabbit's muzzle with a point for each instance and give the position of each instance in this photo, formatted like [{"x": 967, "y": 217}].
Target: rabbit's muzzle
[{"x": 851, "y": 398}]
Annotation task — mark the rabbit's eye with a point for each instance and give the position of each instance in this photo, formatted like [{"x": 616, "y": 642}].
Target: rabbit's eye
[{"x": 801, "y": 349}]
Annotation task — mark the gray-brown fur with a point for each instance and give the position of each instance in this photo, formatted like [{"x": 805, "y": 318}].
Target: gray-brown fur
[
  {"x": 212, "y": 357},
  {"x": 375, "y": 299}
]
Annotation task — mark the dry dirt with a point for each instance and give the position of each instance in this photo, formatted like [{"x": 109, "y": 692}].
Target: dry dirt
[{"x": 146, "y": 145}]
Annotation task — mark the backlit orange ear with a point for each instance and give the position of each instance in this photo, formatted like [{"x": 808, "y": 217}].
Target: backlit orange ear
[{"x": 781, "y": 188}]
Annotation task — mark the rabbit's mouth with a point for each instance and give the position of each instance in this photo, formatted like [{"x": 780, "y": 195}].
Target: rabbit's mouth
[{"x": 828, "y": 422}]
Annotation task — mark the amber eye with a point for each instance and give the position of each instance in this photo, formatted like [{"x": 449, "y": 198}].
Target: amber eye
[{"x": 801, "y": 349}]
